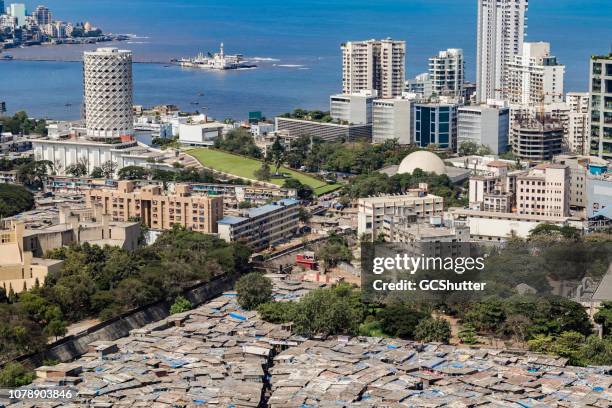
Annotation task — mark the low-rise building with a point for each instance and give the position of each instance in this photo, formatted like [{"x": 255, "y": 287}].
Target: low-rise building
[
  {"x": 599, "y": 194},
  {"x": 200, "y": 134},
  {"x": 262, "y": 227},
  {"x": 19, "y": 269},
  {"x": 373, "y": 210},
  {"x": 326, "y": 131},
  {"x": 157, "y": 209}
]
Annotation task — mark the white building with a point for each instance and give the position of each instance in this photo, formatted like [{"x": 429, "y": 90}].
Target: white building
[
  {"x": 446, "y": 71},
  {"x": 262, "y": 227},
  {"x": 501, "y": 29},
  {"x": 18, "y": 11},
  {"x": 373, "y": 210},
  {"x": 374, "y": 64},
  {"x": 197, "y": 134},
  {"x": 421, "y": 85},
  {"x": 484, "y": 125},
  {"x": 578, "y": 137},
  {"x": 108, "y": 93},
  {"x": 67, "y": 152},
  {"x": 353, "y": 108},
  {"x": 261, "y": 129},
  {"x": 534, "y": 76},
  {"x": 544, "y": 191},
  {"x": 392, "y": 119}
]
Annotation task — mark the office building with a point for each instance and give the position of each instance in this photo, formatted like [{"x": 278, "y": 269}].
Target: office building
[
  {"x": 326, "y": 131},
  {"x": 536, "y": 139},
  {"x": 601, "y": 105},
  {"x": 2, "y": 7},
  {"x": 544, "y": 191},
  {"x": 18, "y": 11},
  {"x": 501, "y": 29},
  {"x": 421, "y": 86},
  {"x": 262, "y": 227},
  {"x": 159, "y": 210},
  {"x": 578, "y": 134},
  {"x": 435, "y": 124},
  {"x": 534, "y": 77},
  {"x": 19, "y": 269},
  {"x": 446, "y": 72},
  {"x": 493, "y": 189},
  {"x": 486, "y": 125},
  {"x": 392, "y": 120},
  {"x": 353, "y": 109},
  {"x": 416, "y": 203},
  {"x": 42, "y": 15},
  {"x": 374, "y": 64},
  {"x": 108, "y": 94}
]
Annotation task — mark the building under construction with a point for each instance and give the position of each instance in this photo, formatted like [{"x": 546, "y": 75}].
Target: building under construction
[{"x": 536, "y": 138}]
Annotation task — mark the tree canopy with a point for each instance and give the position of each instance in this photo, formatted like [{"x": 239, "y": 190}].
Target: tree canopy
[{"x": 14, "y": 199}]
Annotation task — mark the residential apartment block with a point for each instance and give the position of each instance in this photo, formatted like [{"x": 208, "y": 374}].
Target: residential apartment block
[
  {"x": 262, "y": 227},
  {"x": 534, "y": 76},
  {"x": 373, "y": 210},
  {"x": 157, "y": 209},
  {"x": 544, "y": 191},
  {"x": 501, "y": 30},
  {"x": 374, "y": 64},
  {"x": 446, "y": 72},
  {"x": 601, "y": 105}
]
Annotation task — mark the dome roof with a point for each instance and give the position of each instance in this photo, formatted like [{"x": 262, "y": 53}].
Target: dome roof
[{"x": 424, "y": 160}]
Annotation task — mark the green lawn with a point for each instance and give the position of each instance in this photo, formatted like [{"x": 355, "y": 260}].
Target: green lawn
[{"x": 245, "y": 167}]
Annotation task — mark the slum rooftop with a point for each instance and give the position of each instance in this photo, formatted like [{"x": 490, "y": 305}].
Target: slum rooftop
[{"x": 221, "y": 356}]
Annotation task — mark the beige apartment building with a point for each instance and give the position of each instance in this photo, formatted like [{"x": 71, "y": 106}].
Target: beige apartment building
[
  {"x": 373, "y": 210},
  {"x": 544, "y": 191},
  {"x": 19, "y": 269},
  {"x": 374, "y": 64},
  {"x": 157, "y": 209}
]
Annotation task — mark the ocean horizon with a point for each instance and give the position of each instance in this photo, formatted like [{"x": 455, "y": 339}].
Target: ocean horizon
[{"x": 296, "y": 44}]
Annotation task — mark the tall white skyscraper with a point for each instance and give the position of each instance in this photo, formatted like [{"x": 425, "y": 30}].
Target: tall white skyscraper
[
  {"x": 534, "y": 76},
  {"x": 18, "y": 11},
  {"x": 446, "y": 72},
  {"x": 108, "y": 93},
  {"x": 374, "y": 64},
  {"x": 501, "y": 29}
]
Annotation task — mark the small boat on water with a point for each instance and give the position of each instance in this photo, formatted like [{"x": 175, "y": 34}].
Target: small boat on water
[
  {"x": 7, "y": 57},
  {"x": 195, "y": 103}
]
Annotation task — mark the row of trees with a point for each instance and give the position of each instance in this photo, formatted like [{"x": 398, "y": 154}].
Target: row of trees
[{"x": 21, "y": 124}]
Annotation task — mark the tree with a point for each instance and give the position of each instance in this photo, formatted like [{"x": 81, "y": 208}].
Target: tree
[
  {"x": 96, "y": 172},
  {"x": 108, "y": 169},
  {"x": 263, "y": 173},
  {"x": 277, "y": 312},
  {"x": 604, "y": 317},
  {"x": 34, "y": 174},
  {"x": 334, "y": 251},
  {"x": 278, "y": 154},
  {"x": 77, "y": 170},
  {"x": 400, "y": 320},
  {"x": 14, "y": 199},
  {"x": 253, "y": 290},
  {"x": 303, "y": 191},
  {"x": 133, "y": 173},
  {"x": 467, "y": 334},
  {"x": 15, "y": 375},
  {"x": 180, "y": 305},
  {"x": 468, "y": 149},
  {"x": 429, "y": 330},
  {"x": 238, "y": 141}
]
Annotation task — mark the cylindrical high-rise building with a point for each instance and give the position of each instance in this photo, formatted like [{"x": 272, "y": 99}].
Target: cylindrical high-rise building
[{"x": 107, "y": 82}]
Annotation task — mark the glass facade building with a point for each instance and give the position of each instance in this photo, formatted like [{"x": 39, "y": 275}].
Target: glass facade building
[{"x": 435, "y": 124}]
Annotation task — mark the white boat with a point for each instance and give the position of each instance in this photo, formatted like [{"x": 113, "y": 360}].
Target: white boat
[{"x": 219, "y": 61}]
